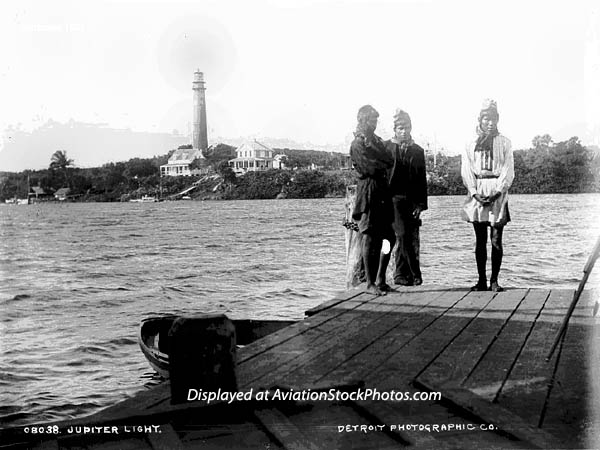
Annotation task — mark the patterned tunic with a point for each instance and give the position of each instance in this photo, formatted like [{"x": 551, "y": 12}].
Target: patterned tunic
[{"x": 486, "y": 172}]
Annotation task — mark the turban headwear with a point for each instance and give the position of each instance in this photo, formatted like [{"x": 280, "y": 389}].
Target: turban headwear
[
  {"x": 489, "y": 107},
  {"x": 401, "y": 116}
]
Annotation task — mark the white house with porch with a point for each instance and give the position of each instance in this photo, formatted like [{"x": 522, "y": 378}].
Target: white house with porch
[
  {"x": 252, "y": 156},
  {"x": 179, "y": 162}
]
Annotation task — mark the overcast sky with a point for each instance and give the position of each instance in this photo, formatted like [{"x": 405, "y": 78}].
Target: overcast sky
[{"x": 301, "y": 69}]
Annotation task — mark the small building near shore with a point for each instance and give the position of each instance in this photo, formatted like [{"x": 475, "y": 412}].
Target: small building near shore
[
  {"x": 179, "y": 162},
  {"x": 38, "y": 194},
  {"x": 62, "y": 194},
  {"x": 251, "y": 157},
  {"x": 279, "y": 161}
]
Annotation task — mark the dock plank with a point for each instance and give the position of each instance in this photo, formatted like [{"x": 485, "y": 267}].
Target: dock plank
[
  {"x": 360, "y": 333},
  {"x": 409, "y": 356},
  {"x": 119, "y": 444},
  {"x": 493, "y": 414},
  {"x": 285, "y": 334},
  {"x": 388, "y": 415},
  {"x": 570, "y": 403},
  {"x": 455, "y": 363},
  {"x": 284, "y": 431},
  {"x": 366, "y": 359},
  {"x": 298, "y": 352},
  {"x": 525, "y": 389},
  {"x": 167, "y": 439},
  {"x": 337, "y": 301},
  {"x": 229, "y": 436},
  {"x": 473, "y": 347},
  {"x": 43, "y": 445},
  {"x": 321, "y": 423},
  {"x": 491, "y": 371}
]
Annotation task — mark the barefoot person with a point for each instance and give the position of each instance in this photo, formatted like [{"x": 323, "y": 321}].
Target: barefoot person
[
  {"x": 487, "y": 171},
  {"x": 408, "y": 186},
  {"x": 373, "y": 206}
]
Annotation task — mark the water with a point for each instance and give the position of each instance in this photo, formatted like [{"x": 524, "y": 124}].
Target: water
[{"x": 78, "y": 278}]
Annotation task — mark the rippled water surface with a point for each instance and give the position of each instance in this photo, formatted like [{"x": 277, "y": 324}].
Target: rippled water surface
[{"x": 78, "y": 278}]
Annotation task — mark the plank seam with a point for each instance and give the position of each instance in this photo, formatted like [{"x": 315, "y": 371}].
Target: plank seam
[
  {"x": 551, "y": 381},
  {"x": 334, "y": 316},
  {"x": 381, "y": 336},
  {"x": 514, "y": 363},
  {"x": 320, "y": 308},
  {"x": 455, "y": 336},
  {"x": 494, "y": 339},
  {"x": 292, "y": 362},
  {"x": 412, "y": 338}
]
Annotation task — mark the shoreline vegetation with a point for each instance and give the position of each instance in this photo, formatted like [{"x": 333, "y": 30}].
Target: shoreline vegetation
[{"x": 545, "y": 168}]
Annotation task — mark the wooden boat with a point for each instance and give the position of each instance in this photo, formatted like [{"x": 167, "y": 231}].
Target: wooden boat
[
  {"x": 144, "y": 199},
  {"x": 153, "y": 337},
  {"x": 16, "y": 201}
]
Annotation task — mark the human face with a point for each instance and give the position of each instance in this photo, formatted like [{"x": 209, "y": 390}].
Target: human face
[
  {"x": 402, "y": 130},
  {"x": 372, "y": 122},
  {"x": 489, "y": 123}
]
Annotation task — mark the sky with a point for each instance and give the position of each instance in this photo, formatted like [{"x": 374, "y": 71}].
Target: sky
[{"x": 300, "y": 69}]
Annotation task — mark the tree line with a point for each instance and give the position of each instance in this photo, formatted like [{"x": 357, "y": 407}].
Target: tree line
[{"x": 546, "y": 167}]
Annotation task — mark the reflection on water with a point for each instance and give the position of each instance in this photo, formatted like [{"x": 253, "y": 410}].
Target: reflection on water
[{"x": 78, "y": 278}]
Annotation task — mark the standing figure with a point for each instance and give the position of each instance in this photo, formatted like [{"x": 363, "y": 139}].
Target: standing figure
[
  {"x": 487, "y": 171},
  {"x": 373, "y": 206},
  {"x": 408, "y": 186}
]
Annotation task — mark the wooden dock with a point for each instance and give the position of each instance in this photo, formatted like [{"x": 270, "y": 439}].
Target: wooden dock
[{"x": 485, "y": 352}]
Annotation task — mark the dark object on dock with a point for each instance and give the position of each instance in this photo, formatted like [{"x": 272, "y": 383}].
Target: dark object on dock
[
  {"x": 155, "y": 342},
  {"x": 202, "y": 355},
  {"x": 481, "y": 353}
]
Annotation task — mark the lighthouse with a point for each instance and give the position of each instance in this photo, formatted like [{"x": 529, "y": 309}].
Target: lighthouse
[{"x": 199, "y": 133}]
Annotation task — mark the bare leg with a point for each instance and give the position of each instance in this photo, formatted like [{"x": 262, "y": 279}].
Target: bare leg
[
  {"x": 384, "y": 260},
  {"x": 370, "y": 252}
]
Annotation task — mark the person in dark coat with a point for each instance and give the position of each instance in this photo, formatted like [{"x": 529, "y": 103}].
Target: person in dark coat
[
  {"x": 373, "y": 206},
  {"x": 408, "y": 187}
]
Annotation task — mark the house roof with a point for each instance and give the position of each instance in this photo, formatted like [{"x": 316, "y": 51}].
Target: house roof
[
  {"x": 38, "y": 190},
  {"x": 184, "y": 155},
  {"x": 63, "y": 191},
  {"x": 253, "y": 145}
]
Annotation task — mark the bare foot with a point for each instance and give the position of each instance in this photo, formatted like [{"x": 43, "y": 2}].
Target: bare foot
[
  {"x": 372, "y": 289},
  {"x": 384, "y": 287}
]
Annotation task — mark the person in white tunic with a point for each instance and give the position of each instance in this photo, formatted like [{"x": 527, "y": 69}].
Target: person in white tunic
[{"x": 487, "y": 170}]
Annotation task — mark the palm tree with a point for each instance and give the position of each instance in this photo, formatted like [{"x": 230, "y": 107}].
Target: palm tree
[{"x": 60, "y": 161}]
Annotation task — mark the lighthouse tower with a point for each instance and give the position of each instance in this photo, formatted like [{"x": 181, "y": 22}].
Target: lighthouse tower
[{"x": 199, "y": 133}]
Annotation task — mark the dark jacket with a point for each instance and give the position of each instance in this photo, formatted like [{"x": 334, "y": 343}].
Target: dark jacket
[
  {"x": 407, "y": 176},
  {"x": 372, "y": 162}
]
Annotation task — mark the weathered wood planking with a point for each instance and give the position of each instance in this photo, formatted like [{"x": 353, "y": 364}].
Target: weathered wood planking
[
  {"x": 505, "y": 421},
  {"x": 457, "y": 360},
  {"x": 363, "y": 363},
  {"x": 572, "y": 400},
  {"x": 322, "y": 423},
  {"x": 524, "y": 390},
  {"x": 386, "y": 414},
  {"x": 424, "y": 346},
  {"x": 491, "y": 371},
  {"x": 281, "y": 336},
  {"x": 167, "y": 439},
  {"x": 159, "y": 396},
  {"x": 335, "y": 335},
  {"x": 457, "y": 342},
  {"x": 389, "y": 313}
]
